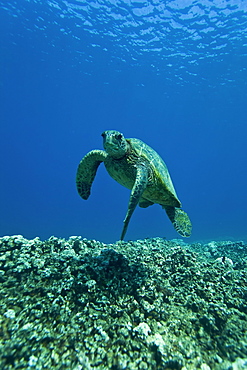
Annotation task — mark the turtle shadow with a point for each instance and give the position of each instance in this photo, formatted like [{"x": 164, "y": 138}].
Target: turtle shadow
[{"x": 113, "y": 274}]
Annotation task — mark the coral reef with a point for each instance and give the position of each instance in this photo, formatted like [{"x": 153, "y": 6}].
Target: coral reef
[{"x": 146, "y": 304}]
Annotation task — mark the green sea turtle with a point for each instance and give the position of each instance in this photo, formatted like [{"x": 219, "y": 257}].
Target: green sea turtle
[{"x": 138, "y": 167}]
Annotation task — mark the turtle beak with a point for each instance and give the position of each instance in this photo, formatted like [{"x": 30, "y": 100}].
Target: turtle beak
[{"x": 111, "y": 141}]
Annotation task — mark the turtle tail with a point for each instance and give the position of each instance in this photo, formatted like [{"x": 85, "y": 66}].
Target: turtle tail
[{"x": 180, "y": 220}]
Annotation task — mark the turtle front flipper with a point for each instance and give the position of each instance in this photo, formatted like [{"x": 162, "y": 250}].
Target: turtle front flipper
[
  {"x": 136, "y": 193},
  {"x": 87, "y": 170},
  {"x": 180, "y": 220}
]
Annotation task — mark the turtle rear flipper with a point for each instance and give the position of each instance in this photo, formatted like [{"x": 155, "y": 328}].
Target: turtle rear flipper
[
  {"x": 87, "y": 170},
  {"x": 180, "y": 220}
]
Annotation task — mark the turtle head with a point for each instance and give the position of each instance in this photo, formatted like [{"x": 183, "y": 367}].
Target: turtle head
[{"x": 114, "y": 143}]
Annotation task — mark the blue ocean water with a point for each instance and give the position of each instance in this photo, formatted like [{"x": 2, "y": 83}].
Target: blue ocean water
[{"x": 171, "y": 73}]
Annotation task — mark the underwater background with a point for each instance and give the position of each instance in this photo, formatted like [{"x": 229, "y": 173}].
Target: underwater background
[{"x": 171, "y": 73}]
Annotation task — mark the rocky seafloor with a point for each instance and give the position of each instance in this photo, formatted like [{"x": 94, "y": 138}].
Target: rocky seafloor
[{"x": 146, "y": 304}]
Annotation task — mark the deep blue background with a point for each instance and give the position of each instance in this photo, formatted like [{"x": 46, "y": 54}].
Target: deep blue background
[{"x": 172, "y": 75}]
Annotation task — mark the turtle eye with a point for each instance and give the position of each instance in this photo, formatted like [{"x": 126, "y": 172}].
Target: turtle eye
[
  {"x": 119, "y": 136},
  {"x": 103, "y": 134}
]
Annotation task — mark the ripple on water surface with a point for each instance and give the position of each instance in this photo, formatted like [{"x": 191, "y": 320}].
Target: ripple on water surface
[{"x": 179, "y": 34}]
